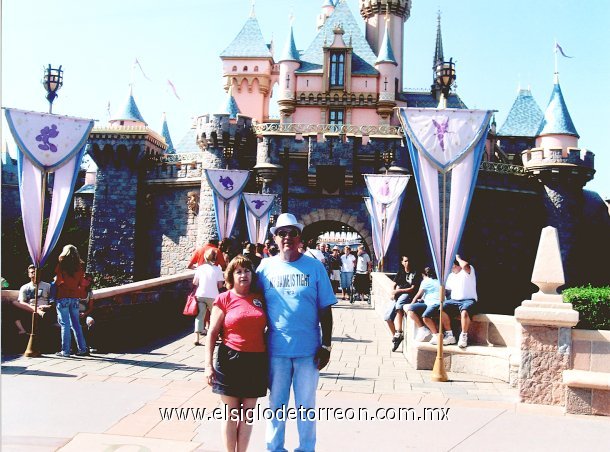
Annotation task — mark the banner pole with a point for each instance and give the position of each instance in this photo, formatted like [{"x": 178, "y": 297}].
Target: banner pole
[
  {"x": 31, "y": 350},
  {"x": 438, "y": 371}
]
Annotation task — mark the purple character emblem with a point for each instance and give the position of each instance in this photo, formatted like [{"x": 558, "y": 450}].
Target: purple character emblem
[
  {"x": 441, "y": 130},
  {"x": 226, "y": 182},
  {"x": 46, "y": 134}
]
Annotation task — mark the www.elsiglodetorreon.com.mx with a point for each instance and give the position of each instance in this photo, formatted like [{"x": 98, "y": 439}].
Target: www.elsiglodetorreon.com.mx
[{"x": 400, "y": 414}]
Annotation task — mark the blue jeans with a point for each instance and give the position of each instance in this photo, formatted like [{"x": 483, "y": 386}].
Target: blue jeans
[
  {"x": 302, "y": 374},
  {"x": 67, "y": 316},
  {"x": 346, "y": 280}
]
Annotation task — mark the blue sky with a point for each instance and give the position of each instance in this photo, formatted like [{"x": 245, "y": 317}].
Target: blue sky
[{"x": 498, "y": 46}]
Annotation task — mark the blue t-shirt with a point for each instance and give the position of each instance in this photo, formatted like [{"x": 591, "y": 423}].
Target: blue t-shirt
[
  {"x": 294, "y": 294},
  {"x": 432, "y": 291}
]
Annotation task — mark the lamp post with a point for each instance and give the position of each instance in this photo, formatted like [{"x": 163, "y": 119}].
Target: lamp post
[
  {"x": 228, "y": 153},
  {"x": 445, "y": 77},
  {"x": 52, "y": 80},
  {"x": 260, "y": 183},
  {"x": 388, "y": 158}
]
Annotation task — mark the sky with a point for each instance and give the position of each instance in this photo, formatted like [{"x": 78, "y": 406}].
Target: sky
[{"x": 497, "y": 46}]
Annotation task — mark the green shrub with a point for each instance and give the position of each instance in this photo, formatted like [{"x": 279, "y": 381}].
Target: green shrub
[{"x": 593, "y": 304}]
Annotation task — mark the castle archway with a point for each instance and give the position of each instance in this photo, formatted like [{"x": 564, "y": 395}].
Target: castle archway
[{"x": 322, "y": 220}]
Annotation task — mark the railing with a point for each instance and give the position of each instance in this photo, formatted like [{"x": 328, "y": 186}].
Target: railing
[
  {"x": 503, "y": 168},
  {"x": 347, "y": 129},
  {"x": 186, "y": 157}
]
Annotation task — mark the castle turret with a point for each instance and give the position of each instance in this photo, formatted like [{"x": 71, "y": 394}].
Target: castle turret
[
  {"x": 373, "y": 13},
  {"x": 388, "y": 76},
  {"x": 247, "y": 67},
  {"x": 128, "y": 114},
  {"x": 168, "y": 139},
  {"x": 289, "y": 63},
  {"x": 328, "y": 7}
]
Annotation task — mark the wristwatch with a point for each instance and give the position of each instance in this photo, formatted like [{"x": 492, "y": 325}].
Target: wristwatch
[{"x": 328, "y": 348}]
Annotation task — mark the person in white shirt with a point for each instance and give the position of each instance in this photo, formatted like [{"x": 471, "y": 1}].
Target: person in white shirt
[
  {"x": 362, "y": 279},
  {"x": 348, "y": 262},
  {"x": 208, "y": 279},
  {"x": 463, "y": 285}
]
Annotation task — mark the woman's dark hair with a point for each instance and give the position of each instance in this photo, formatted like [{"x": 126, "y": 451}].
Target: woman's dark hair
[
  {"x": 430, "y": 273},
  {"x": 69, "y": 260},
  {"x": 238, "y": 261}
]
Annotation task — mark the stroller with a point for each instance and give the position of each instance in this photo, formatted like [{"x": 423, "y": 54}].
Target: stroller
[{"x": 361, "y": 285}]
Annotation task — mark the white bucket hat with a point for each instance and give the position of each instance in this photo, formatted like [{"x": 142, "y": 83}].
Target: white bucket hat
[{"x": 285, "y": 220}]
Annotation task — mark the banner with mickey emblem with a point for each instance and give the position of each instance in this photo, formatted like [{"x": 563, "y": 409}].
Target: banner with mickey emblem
[
  {"x": 227, "y": 186},
  {"x": 386, "y": 192},
  {"x": 258, "y": 210},
  {"x": 46, "y": 143},
  {"x": 446, "y": 147}
]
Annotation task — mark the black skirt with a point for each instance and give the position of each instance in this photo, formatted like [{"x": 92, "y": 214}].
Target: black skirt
[{"x": 240, "y": 374}]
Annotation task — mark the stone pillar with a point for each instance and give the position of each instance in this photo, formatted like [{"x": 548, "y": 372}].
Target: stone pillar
[{"x": 546, "y": 336}]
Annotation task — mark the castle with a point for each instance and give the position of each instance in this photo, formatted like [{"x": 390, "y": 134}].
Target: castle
[{"x": 336, "y": 100}]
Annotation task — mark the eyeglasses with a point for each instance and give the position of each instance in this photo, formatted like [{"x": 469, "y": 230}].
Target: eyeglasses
[{"x": 290, "y": 233}]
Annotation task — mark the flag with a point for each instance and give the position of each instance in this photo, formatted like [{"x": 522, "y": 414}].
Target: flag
[
  {"x": 446, "y": 147},
  {"x": 169, "y": 82},
  {"x": 227, "y": 186},
  {"x": 558, "y": 48},
  {"x": 46, "y": 143},
  {"x": 258, "y": 210},
  {"x": 137, "y": 63}
]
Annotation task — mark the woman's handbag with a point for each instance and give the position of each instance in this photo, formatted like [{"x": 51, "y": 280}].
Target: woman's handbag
[{"x": 191, "y": 308}]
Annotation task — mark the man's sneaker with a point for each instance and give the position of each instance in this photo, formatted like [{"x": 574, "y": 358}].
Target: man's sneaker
[
  {"x": 82, "y": 353},
  {"x": 448, "y": 338},
  {"x": 62, "y": 354},
  {"x": 434, "y": 340},
  {"x": 422, "y": 334},
  {"x": 396, "y": 340},
  {"x": 463, "y": 342}
]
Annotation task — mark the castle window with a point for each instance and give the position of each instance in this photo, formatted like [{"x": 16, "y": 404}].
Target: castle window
[
  {"x": 255, "y": 68},
  {"x": 337, "y": 69},
  {"x": 335, "y": 116},
  {"x": 234, "y": 69},
  {"x": 245, "y": 68}
]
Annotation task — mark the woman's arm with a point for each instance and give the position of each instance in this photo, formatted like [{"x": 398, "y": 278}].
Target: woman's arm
[
  {"x": 417, "y": 296},
  {"x": 216, "y": 321}
]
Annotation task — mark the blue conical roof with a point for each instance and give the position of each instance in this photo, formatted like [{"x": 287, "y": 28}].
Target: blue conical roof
[
  {"x": 229, "y": 107},
  {"x": 386, "y": 54},
  {"x": 524, "y": 117},
  {"x": 557, "y": 120},
  {"x": 168, "y": 139},
  {"x": 249, "y": 42},
  {"x": 129, "y": 112},
  {"x": 363, "y": 57},
  {"x": 290, "y": 52}
]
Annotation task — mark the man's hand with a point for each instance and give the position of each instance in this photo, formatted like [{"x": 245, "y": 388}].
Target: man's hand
[{"x": 322, "y": 358}]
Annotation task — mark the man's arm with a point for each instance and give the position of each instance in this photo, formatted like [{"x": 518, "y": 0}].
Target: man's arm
[
  {"x": 326, "y": 322},
  {"x": 465, "y": 265}
]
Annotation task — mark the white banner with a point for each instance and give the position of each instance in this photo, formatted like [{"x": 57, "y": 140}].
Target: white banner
[
  {"x": 376, "y": 244},
  {"x": 258, "y": 209},
  {"x": 446, "y": 147},
  {"x": 387, "y": 192},
  {"x": 46, "y": 143},
  {"x": 226, "y": 185}
]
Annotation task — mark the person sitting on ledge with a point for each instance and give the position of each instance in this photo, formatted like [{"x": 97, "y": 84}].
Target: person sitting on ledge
[
  {"x": 430, "y": 289},
  {"x": 463, "y": 285}
]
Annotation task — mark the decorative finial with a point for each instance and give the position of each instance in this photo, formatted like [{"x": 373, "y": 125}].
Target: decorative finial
[
  {"x": 291, "y": 18},
  {"x": 252, "y": 13}
]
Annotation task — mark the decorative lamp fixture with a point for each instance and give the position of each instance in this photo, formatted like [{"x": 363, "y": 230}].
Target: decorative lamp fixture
[
  {"x": 260, "y": 182},
  {"x": 53, "y": 80},
  {"x": 445, "y": 77},
  {"x": 388, "y": 158}
]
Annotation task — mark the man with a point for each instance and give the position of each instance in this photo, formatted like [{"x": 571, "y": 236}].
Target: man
[
  {"x": 406, "y": 285},
  {"x": 362, "y": 280},
  {"x": 198, "y": 256},
  {"x": 26, "y": 300},
  {"x": 298, "y": 299},
  {"x": 335, "y": 268},
  {"x": 348, "y": 262},
  {"x": 313, "y": 250},
  {"x": 463, "y": 285}
]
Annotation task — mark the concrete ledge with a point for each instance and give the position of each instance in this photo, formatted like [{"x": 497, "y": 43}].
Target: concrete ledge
[{"x": 587, "y": 379}]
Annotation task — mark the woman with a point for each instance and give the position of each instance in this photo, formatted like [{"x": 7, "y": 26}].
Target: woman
[
  {"x": 71, "y": 287},
  {"x": 240, "y": 371},
  {"x": 426, "y": 303},
  {"x": 208, "y": 279}
]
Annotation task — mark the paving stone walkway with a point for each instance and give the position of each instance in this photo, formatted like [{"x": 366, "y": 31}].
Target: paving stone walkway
[{"x": 106, "y": 402}]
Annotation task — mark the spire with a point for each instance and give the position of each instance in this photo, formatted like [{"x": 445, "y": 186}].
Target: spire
[
  {"x": 290, "y": 52},
  {"x": 252, "y": 12},
  {"x": 557, "y": 120},
  {"x": 249, "y": 42},
  {"x": 386, "y": 54},
  {"x": 129, "y": 111},
  {"x": 168, "y": 139},
  {"x": 524, "y": 117},
  {"x": 438, "y": 51},
  {"x": 229, "y": 107}
]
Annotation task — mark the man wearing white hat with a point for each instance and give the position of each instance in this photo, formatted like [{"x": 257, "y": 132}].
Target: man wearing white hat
[{"x": 298, "y": 298}]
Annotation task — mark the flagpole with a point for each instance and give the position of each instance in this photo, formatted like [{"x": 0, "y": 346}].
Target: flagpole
[
  {"x": 224, "y": 232},
  {"x": 31, "y": 351},
  {"x": 258, "y": 226},
  {"x": 555, "y": 51}
]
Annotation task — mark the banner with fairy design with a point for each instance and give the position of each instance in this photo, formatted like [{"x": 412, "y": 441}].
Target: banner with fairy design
[
  {"x": 46, "y": 144},
  {"x": 386, "y": 192},
  {"x": 446, "y": 147},
  {"x": 258, "y": 210},
  {"x": 376, "y": 245},
  {"x": 227, "y": 186}
]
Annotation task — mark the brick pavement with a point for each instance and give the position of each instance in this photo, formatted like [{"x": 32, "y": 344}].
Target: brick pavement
[{"x": 116, "y": 397}]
